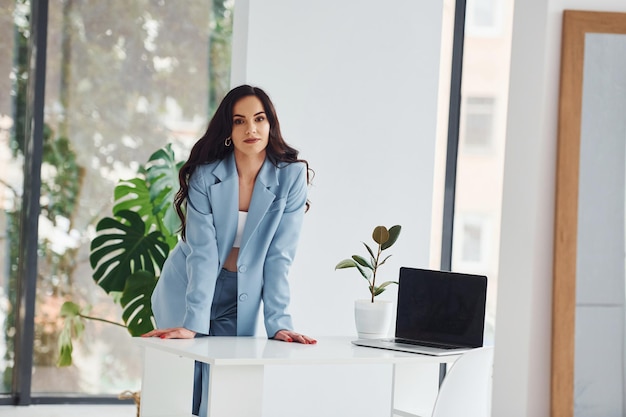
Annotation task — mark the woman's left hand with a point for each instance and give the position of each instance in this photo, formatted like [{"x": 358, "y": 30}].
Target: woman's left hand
[{"x": 291, "y": 336}]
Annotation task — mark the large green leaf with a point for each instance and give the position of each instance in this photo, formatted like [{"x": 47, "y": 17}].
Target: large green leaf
[
  {"x": 137, "y": 313},
  {"x": 122, "y": 248},
  {"x": 134, "y": 195},
  {"x": 162, "y": 174},
  {"x": 152, "y": 193}
]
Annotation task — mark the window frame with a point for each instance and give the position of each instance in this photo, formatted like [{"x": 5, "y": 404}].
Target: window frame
[{"x": 452, "y": 151}]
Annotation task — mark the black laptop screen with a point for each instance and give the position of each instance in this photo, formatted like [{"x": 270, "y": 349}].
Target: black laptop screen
[{"x": 441, "y": 307}]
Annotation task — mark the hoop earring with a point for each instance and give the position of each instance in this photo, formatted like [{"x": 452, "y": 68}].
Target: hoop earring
[{"x": 228, "y": 141}]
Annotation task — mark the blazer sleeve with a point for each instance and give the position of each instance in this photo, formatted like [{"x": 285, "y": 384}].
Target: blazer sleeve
[
  {"x": 281, "y": 254},
  {"x": 203, "y": 260}
]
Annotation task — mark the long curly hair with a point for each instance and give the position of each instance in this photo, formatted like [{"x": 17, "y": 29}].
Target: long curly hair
[{"x": 211, "y": 147}]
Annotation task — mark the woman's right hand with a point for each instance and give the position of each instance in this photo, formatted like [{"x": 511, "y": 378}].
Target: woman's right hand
[{"x": 171, "y": 333}]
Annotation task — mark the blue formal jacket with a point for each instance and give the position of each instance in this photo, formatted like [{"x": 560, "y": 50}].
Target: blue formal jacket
[{"x": 184, "y": 293}]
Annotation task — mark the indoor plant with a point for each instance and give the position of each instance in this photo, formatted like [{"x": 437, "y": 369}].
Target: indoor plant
[
  {"x": 129, "y": 249},
  {"x": 373, "y": 318}
]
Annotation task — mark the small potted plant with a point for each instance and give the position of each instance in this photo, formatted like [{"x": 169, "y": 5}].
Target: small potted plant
[{"x": 373, "y": 318}]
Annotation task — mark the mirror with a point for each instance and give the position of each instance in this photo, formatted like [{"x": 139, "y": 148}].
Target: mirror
[{"x": 589, "y": 244}]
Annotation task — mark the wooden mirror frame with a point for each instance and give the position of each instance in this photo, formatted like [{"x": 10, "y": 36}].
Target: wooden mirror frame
[{"x": 576, "y": 24}]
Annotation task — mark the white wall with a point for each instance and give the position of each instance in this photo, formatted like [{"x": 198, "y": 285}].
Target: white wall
[
  {"x": 355, "y": 86},
  {"x": 523, "y": 333}
]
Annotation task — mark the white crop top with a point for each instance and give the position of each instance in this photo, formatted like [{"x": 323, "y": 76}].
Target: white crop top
[{"x": 243, "y": 215}]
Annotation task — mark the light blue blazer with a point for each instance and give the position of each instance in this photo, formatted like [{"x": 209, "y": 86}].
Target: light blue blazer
[{"x": 184, "y": 293}]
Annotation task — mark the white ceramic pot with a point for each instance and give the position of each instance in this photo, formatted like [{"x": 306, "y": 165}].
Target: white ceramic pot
[{"x": 373, "y": 319}]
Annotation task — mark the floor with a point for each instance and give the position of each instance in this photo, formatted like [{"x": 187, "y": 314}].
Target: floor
[{"x": 73, "y": 410}]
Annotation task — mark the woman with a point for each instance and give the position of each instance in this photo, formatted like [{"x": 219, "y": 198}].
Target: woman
[{"x": 242, "y": 198}]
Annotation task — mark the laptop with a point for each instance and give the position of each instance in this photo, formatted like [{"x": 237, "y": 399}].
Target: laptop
[{"x": 438, "y": 313}]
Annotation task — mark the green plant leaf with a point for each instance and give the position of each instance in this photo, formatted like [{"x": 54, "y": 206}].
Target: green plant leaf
[
  {"x": 73, "y": 327},
  {"x": 116, "y": 296},
  {"x": 133, "y": 195},
  {"x": 371, "y": 252},
  {"x": 166, "y": 219},
  {"x": 381, "y": 288},
  {"x": 162, "y": 174},
  {"x": 384, "y": 260},
  {"x": 122, "y": 248},
  {"x": 351, "y": 263},
  {"x": 65, "y": 347},
  {"x": 151, "y": 194},
  {"x": 380, "y": 234},
  {"x": 394, "y": 232},
  {"x": 365, "y": 273},
  {"x": 387, "y": 283},
  {"x": 362, "y": 261},
  {"x": 378, "y": 291},
  {"x": 346, "y": 263},
  {"x": 137, "y": 313},
  {"x": 69, "y": 310}
]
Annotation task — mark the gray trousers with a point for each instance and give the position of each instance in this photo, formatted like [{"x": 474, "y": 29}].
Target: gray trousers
[{"x": 223, "y": 323}]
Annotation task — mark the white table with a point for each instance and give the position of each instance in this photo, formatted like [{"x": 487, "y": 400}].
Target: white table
[{"x": 237, "y": 371}]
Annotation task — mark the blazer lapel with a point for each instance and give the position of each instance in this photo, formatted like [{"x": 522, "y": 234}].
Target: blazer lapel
[
  {"x": 261, "y": 200},
  {"x": 225, "y": 201}
]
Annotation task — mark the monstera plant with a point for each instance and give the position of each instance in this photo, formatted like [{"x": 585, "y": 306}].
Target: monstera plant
[{"x": 130, "y": 248}]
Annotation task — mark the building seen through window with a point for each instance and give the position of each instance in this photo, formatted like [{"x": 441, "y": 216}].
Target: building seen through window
[{"x": 477, "y": 126}]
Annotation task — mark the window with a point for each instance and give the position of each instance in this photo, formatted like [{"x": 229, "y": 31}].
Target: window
[
  {"x": 472, "y": 242},
  {"x": 466, "y": 211},
  {"x": 12, "y": 22},
  {"x": 477, "y": 128},
  {"x": 122, "y": 81},
  {"x": 484, "y": 17}
]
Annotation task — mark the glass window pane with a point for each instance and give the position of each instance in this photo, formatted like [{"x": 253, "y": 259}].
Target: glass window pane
[
  {"x": 472, "y": 238},
  {"x": 485, "y": 18},
  {"x": 481, "y": 152},
  {"x": 123, "y": 80},
  {"x": 13, "y": 49},
  {"x": 473, "y": 235},
  {"x": 483, "y": 12},
  {"x": 477, "y": 126}
]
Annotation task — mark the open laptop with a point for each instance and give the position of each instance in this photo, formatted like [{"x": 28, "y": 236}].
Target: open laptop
[{"x": 438, "y": 313}]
